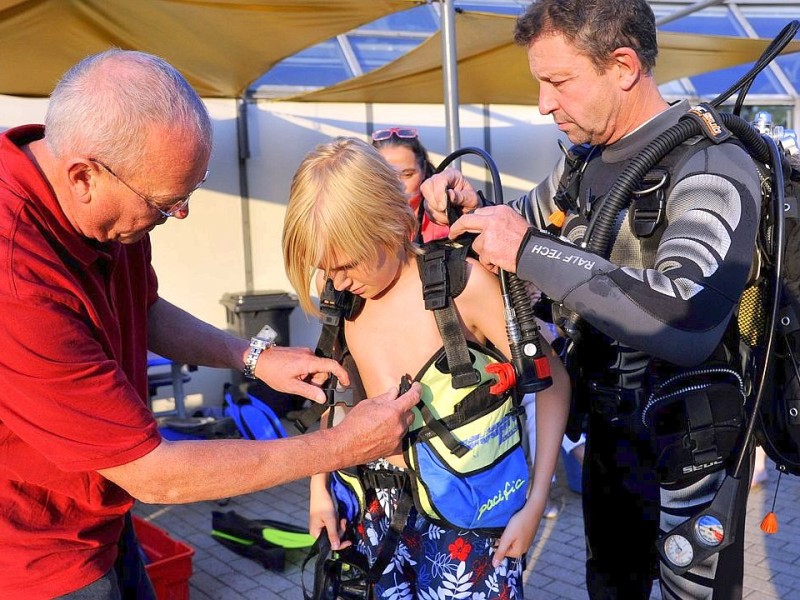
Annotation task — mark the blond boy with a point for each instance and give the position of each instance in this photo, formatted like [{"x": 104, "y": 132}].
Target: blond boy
[{"x": 348, "y": 220}]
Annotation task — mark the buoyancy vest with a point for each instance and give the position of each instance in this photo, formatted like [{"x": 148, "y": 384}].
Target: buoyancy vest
[
  {"x": 599, "y": 362},
  {"x": 467, "y": 464},
  {"x": 465, "y": 448},
  {"x": 689, "y": 415},
  {"x": 646, "y": 215}
]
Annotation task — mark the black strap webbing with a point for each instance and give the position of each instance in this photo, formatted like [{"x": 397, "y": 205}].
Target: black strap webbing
[
  {"x": 392, "y": 538},
  {"x": 333, "y": 310},
  {"x": 327, "y": 340},
  {"x": 441, "y": 431},
  {"x": 701, "y": 428},
  {"x": 435, "y": 281},
  {"x": 442, "y": 268},
  {"x": 459, "y": 360}
]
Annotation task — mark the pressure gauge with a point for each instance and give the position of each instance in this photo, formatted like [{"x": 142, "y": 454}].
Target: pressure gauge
[
  {"x": 678, "y": 550},
  {"x": 709, "y": 530}
]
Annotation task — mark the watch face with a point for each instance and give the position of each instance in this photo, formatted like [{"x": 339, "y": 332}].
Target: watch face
[{"x": 267, "y": 333}]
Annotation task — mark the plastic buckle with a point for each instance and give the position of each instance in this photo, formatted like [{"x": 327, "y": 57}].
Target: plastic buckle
[
  {"x": 329, "y": 316},
  {"x": 506, "y": 377},
  {"x": 334, "y": 395},
  {"x": 614, "y": 403},
  {"x": 466, "y": 379},
  {"x": 705, "y": 448},
  {"x": 434, "y": 280}
]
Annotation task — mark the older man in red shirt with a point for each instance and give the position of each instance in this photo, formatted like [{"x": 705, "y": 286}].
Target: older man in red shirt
[{"x": 125, "y": 144}]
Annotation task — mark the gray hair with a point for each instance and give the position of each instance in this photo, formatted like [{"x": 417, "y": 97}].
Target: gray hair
[
  {"x": 105, "y": 105},
  {"x": 595, "y": 27}
]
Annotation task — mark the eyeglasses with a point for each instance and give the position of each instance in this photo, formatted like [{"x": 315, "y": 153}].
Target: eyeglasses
[
  {"x": 174, "y": 206},
  {"x": 405, "y": 133}
]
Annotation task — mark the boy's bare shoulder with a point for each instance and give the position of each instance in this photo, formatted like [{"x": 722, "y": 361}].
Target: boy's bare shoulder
[{"x": 479, "y": 279}]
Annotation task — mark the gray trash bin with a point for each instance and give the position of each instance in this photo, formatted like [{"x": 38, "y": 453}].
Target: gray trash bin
[{"x": 247, "y": 313}]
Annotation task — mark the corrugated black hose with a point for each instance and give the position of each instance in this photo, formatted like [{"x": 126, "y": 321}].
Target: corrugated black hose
[{"x": 531, "y": 365}]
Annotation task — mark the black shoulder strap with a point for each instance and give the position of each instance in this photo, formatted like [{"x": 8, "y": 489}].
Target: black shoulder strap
[
  {"x": 575, "y": 161},
  {"x": 442, "y": 268},
  {"x": 335, "y": 307},
  {"x": 647, "y": 211},
  {"x": 648, "y": 208}
]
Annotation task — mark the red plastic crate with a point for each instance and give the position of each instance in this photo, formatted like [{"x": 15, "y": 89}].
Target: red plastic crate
[{"x": 170, "y": 561}]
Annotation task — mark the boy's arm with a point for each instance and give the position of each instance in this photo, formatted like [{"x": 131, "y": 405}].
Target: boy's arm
[
  {"x": 482, "y": 310},
  {"x": 552, "y": 408},
  {"x": 322, "y": 507}
]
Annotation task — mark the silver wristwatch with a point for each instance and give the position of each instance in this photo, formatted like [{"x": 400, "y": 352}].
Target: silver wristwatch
[{"x": 263, "y": 340}]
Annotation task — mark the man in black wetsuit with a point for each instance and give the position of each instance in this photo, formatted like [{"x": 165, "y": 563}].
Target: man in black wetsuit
[{"x": 659, "y": 305}]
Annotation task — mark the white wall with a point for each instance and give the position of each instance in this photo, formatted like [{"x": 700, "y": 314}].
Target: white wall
[{"x": 200, "y": 259}]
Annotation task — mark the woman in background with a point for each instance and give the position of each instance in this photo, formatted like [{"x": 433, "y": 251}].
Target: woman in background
[{"x": 402, "y": 149}]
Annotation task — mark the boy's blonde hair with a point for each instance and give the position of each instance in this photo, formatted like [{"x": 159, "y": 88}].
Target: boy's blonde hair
[{"x": 346, "y": 199}]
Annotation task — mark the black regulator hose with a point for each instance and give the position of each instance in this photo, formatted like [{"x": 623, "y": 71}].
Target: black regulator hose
[
  {"x": 778, "y": 240},
  {"x": 619, "y": 195},
  {"x": 497, "y": 188},
  {"x": 746, "y": 81},
  {"x": 531, "y": 365},
  {"x": 600, "y": 230}
]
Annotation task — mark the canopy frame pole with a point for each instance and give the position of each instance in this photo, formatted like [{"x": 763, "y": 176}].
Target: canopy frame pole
[
  {"x": 243, "y": 143},
  {"x": 693, "y": 8},
  {"x": 450, "y": 65}
]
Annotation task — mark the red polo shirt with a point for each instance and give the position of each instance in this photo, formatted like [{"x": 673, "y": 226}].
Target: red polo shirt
[{"x": 73, "y": 367}]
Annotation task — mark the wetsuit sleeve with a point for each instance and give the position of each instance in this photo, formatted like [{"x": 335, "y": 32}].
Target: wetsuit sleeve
[{"x": 678, "y": 309}]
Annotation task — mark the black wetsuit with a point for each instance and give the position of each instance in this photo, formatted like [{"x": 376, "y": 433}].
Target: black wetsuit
[{"x": 669, "y": 297}]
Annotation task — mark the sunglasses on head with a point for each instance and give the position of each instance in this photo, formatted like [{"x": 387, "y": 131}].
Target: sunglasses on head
[{"x": 406, "y": 133}]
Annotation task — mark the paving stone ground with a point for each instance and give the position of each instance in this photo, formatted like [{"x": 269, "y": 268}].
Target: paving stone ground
[{"x": 555, "y": 568}]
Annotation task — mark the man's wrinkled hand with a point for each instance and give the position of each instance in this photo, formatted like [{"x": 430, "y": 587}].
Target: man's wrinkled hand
[
  {"x": 298, "y": 371},
  {"x": 451, "y": 187},
  {"x": 500, "y": 232},
  {"x": 377, "y": 425}
]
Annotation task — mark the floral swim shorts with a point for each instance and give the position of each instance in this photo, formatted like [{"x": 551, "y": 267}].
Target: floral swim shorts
[{"x": 431, "y": 562}]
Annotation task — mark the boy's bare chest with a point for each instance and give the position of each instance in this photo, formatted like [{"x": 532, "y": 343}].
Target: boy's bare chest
[{"x": 391, "y": 338}]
